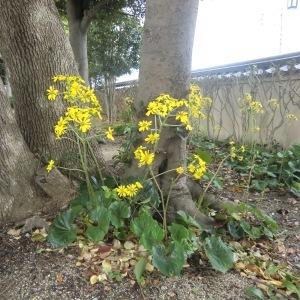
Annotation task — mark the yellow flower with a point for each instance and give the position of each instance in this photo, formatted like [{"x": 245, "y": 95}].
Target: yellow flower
[
  {"x": 129, "y": 190},
  {"x": 152, "y": 138},
  {"x": 145, "y": 157},
  {"x": 50, "y": 166},
  {"x": 183, "y": 117},
  {"x": 256, "y": 107},
  {"x": 242, "y": 149},
  {"x": 132, "y": 190},
  {"x": 52, "y": 93},
  {"x": 61, "y": 127},
  {"x": 191, "y": 168},
  {"x": 180, "y": 170},
  {"x": 291, "y": 117},
  {"x": 138, "y": 151},
  {"x": 85, "y": 125},
  {"x": 121, "y": 191},
  {"x": 197, "y": 167},
  {"x": 144, "y": 125},
  {"x": 109, "y": 134}
]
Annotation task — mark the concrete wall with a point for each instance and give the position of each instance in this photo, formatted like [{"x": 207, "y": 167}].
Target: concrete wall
[{"x": 227, "y": 116}]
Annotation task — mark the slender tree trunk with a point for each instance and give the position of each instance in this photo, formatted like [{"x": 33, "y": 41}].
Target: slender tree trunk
[
  {"x": 22, "y": 193},
  {"x": 166, "y": 68},
  {"x": 78, "y": 37},
  {"x": 109, "y": 88}
]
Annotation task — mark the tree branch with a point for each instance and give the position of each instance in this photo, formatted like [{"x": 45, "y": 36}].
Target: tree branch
[{"x": 89, "y": 15}]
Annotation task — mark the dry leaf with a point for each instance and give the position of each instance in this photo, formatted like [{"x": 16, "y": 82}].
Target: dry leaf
[
  {"x": 59, "y": 278},
  {"x": 128, "y": 245},
  {"x": 93, "y": 279}
]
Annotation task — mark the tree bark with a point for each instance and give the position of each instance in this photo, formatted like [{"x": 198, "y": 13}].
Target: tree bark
[
  {"x": 166, "y": 68},
  {"x": 78, "y": 36},
  {"x": 35, "y": 48},
  {"x": 20, "y": 196}
]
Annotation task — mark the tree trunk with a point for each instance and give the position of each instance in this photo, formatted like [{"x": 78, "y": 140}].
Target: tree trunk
[
  {"x": 35, "y": 48},
  {"x": 109, "y": 88},
  {"x": 20, "y": 196},
  {"x": 78, "y": 37},
  {"x": 166, "y": 68}
]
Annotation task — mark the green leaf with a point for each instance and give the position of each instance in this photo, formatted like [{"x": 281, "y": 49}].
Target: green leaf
[
  {"x": 255, "y": 293},
  {"x": 218, "y": 253},
  {"x": 100, "y": 216},
  {"x": 183, "y": 236},
  {"x": 292, "y": 288},
  {"x": 141, "y": 222},
  {"x": 186, "y": 220},
  {"x": 169, "y": 261},
  {"x": 252, "y": 231},
  {"x": 96, "y": 233},
  {"x": 204, "y": 155},
  {"x": 63, "y": 231},
  {"x": 139, "y": 269},
  {"x": 148, "y": 194},
  {"x": 235, "y": 230},
  {"x": 119, "y": 210},
  {"x": 147, "y": 229},
  {"x": 152, "y": 236}
]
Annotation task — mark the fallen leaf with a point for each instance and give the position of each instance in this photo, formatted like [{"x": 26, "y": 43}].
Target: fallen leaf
[
  {"x": 102, "y": 277},
  {"x": 93, "y": 279},
  {"x": 106, "y": 266},
  {"x": 59, "y": 278},
  {"x": 128, "y": 245},
  {"x": 14, "y": 232}
]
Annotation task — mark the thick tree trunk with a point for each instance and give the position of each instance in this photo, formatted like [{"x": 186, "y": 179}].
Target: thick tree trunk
[
  {"x": 165, "y": 68},
  {"x": 78, "y": 37},
  {"x": 20, "y": 196},
  {"x": 35, "y": 48}
]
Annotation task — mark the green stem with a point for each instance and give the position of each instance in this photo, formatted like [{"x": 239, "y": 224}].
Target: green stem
[
  {"x": 96, "y": 162},
  {"x": 200, "y": 200},
  {"x": 161, "y": 196},
  {"x": 70, "y": 169},
  {"x": 82, "y": 154}
]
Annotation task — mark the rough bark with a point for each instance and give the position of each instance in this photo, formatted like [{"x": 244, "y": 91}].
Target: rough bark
[
  {"x": 166, "y": 68},
  {"x": 109, "y": 88},
  {"x": 35, "y": 48},
  {"x": 19, "y": 195},
  {"x": 78, "y": 28}
]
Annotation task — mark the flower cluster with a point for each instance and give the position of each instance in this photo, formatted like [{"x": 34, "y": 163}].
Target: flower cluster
[
  {"x": 252, "y": 105},
  {"x": 291, "y": 117},
  {"x": 235, "y": 152},
  {"x": 274, "y": 103},
  {"x": 144, "y": 156},
  {"x": 197, "y": 167},
  {"x": 83, "y": 105},
  {"x": 162, "y": 108},
  {"x": 129, "y": 190}
]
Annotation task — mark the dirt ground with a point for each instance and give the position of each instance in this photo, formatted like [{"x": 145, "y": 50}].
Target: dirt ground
[{"x": 27, "y": 274}]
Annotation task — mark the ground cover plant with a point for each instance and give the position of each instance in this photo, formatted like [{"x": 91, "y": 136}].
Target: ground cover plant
[{"x": 124, "y": 228}]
